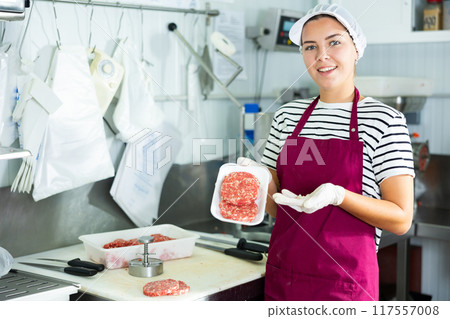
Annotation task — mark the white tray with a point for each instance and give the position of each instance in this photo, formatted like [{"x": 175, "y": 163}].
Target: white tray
[
  {"x": 264, "y": 179},
  {"x": 114, "y": 258}
]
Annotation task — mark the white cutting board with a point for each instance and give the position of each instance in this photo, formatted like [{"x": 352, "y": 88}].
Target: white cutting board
[{"x": 206, "y": 272}]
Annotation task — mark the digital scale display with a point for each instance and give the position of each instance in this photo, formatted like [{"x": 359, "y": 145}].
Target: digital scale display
[
  {"x": 285, "y": 25},
  {"x": 278, "y": 22}
]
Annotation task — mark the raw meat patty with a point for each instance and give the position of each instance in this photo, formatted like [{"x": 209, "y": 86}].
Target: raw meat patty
[
  {"x": 242, "y": 213},
  {"x": 240, "y": 188},
  {"x": 161, "y": 287},
  {"x": 183, "y": 289}
]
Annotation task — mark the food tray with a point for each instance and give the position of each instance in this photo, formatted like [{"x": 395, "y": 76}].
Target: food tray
[
  {"x": 264, "y": 178},
  {"x": 114, "y": 258}
]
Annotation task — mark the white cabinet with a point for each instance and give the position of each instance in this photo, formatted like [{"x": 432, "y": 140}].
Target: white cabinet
[{"x": 392, "y": 21}]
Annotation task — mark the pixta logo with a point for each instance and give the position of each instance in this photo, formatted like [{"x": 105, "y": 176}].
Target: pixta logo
[
  {"x": 308, "y": 152},
  {"x": 149, "y": 152},
  {"x": 214, "y": 149}
]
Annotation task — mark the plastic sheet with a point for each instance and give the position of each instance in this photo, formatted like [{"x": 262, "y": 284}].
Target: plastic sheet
[
  {"x": 142, "y": 171},
  {"x": 74, "y": 152},
  {"x": 6, "y": 261},
  {"x": 136, "y": 109}
]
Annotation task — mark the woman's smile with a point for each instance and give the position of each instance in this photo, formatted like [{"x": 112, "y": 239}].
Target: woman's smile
[{"x": 326, "y": 69}]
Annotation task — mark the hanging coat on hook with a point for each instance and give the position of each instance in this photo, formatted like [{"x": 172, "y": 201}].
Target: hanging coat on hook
[{"x": 74, "y": 151}]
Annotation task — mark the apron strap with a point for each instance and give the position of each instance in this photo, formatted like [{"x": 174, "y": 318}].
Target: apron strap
[
  {"x": 353, "y": 119},
  {"x": 305, "y": 117}
]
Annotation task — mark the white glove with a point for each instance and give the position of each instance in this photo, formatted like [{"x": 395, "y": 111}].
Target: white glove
[
  {"x": 324, "y": 195},
  {"x": 245, "y": 161}
]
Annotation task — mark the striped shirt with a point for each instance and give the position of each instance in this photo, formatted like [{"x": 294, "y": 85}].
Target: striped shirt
[{"x": 387, "y": 146}]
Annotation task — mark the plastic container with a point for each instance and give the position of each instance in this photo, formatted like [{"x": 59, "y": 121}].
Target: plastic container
[
  {"x": 261, "y": 173},
  {"x": 432, "y": 15},
  {"x": 114, "y": 258}
]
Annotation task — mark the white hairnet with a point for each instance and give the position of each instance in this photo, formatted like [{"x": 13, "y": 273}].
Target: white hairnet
[{"x": 342, "y": 15}]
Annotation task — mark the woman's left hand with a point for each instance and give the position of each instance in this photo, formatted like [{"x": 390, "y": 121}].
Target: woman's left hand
[{"x": 324, "y": 195}]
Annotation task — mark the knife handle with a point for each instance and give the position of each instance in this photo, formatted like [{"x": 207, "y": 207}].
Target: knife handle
[
  {"x": 77, "y": 271},
  {"x": 243, "y": 244},
  {"x": 77, "y": 262},
  {"x": 243, "y": 254}
]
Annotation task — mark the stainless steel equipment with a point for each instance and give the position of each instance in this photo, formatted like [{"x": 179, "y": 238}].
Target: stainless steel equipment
[
  {"x": 262, "y": 125},
  {"x": 21, "y": 285},
  {"x": 405, "y": 104},
  {"x": 145, "y": 267},
  {"x": 278, "y": 22},
  {"x": 12, "y": 10},
  {"x": 12, "y": 153}
]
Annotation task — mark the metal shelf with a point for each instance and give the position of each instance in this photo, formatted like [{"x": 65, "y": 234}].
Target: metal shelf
[{"x": 210, "y": 13}]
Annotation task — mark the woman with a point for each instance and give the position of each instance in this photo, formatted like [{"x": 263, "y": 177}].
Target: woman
[{"x": 343, "y": 164}]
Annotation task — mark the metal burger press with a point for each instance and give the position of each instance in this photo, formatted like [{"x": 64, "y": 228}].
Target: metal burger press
[{"x": 145, "y": 267}]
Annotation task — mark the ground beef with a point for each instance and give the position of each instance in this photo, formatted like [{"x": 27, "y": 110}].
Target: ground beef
[
  {"x": 117, "y": 243},
  {"x": 183, "y": 289},
  {"x": 167, "y": 287},
  {"x": 159, "y": 237},
  {"x": 132, "y": 242},
  {"x": 161, "y": 287},
  {"x": 242, "y": 213},
  {"x": 240, "y": 188}
]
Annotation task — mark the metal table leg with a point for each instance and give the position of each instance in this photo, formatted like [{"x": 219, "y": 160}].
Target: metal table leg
[{"x": 402, "y": 292}]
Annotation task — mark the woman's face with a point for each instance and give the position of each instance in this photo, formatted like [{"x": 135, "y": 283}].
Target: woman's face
[{"x": 329, "y": 54}]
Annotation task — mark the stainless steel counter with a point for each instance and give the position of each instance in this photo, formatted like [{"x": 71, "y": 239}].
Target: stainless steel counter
[{"x": 429, "y": 222}]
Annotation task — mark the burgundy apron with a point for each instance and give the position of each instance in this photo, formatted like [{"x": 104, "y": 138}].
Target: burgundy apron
[{"x": 329, "y": 254}]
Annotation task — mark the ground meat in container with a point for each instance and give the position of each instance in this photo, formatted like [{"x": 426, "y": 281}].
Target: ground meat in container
[
  {"x": 242, "y": 213},
  {"x": 161, "y": 287},
  {"x": 132, "y": 242},
  {"x": 240, "y": 188},
  {"x": 121, "y": 243},
  {"x": 159, "y": 237}
]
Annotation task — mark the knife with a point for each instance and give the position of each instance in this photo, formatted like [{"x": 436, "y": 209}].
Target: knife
[
  {"x": 77, "y": 262},
  {"x": 235, "y": 252},
  {"x": 77, "y": 271},
  {"x": 242, "y": 244}
]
